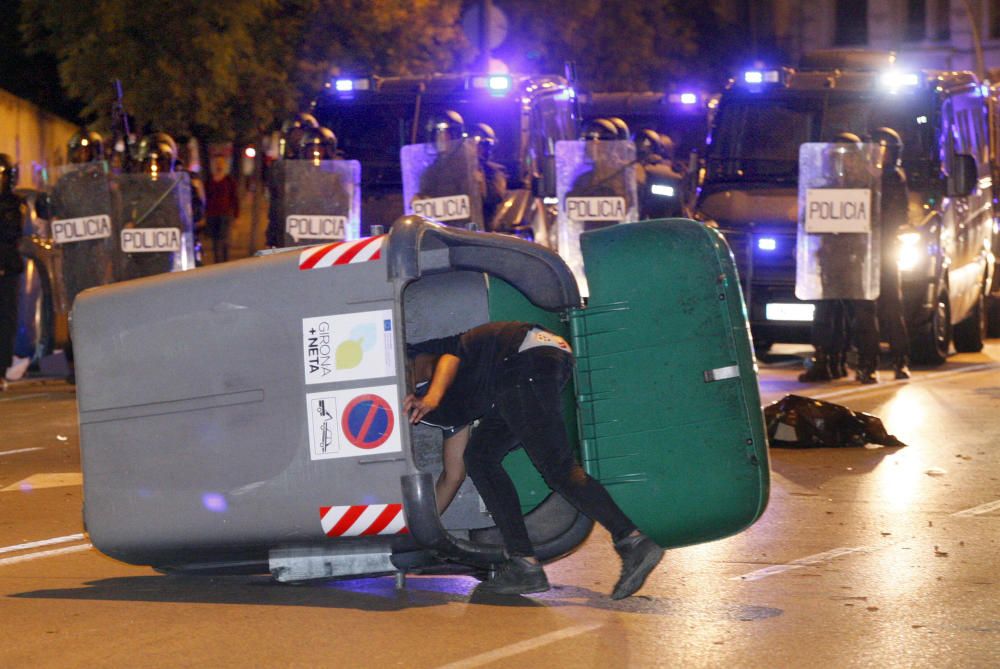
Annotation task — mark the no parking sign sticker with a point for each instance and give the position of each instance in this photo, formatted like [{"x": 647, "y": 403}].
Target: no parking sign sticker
[{"x": 352, "y": 423}]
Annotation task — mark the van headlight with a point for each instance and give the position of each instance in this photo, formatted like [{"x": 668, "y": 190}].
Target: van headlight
[{"x": 910, "y": 251}]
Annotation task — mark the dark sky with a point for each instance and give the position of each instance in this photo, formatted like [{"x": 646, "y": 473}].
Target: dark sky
[{"x": 33, "y": 78}]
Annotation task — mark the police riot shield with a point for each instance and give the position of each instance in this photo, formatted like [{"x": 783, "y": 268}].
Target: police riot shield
[
  {"x": 320, "y": 200},
  {"x": 444, "y": 183},
  {"x": 596, "y": 187},
  {"x": 839, "y": 215},
  {"x": 157, "y": 233},
  {"x": 83, "y": 226}
]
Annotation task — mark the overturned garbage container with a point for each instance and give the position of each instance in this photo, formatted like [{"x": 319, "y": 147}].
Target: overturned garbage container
[{"x": 273, "y": 438}]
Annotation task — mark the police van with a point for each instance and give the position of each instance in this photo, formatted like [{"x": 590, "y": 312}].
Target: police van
[
  {"x": 749, "y": 188},
  {"x": 374, "y": 117}
]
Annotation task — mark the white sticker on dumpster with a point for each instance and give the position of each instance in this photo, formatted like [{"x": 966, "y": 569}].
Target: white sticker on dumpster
[
  {"x": 348, "y": 347},
  {"x": 353, "y": 423}
]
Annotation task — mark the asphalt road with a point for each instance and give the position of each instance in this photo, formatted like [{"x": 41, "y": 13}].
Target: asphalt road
[{"x": 865, "y": 557}]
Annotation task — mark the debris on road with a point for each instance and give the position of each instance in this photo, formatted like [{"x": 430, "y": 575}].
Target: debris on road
[{"x": 795, "y": 421}]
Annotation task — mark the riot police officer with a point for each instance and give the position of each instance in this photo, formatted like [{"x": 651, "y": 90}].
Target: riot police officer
[
  {"x": 12, "y": 212},
  {"x": 290, "y": 145},
  {"x": 493, "y": 174},
  {"x": 601, "y": 180},
  {"x": 895, "y": 206},
  {"x": 833, "y": 318},
  {"x": 85, "y": 147},
  {"x": 657, "y": 183},
  {"x": 448, "y": 174},
  {"x": 150, "y": 201}
]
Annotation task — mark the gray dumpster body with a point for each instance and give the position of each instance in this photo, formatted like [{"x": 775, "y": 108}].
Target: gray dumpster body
[{"x": 247, "y": 417}]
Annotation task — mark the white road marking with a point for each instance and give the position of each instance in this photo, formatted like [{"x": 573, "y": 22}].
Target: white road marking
[
  {"x": 921, "y": 378},
  {"x": 44, "y": 554},
  {"x": 39, "y": 481},
  {"x": 798, "y": 564},
  {"x": 23, "y": 450},
  {"x": 977, "y": 510},
  {"x": 18, "y": 398},
  {"x": 43, "y": 542},
  {"x": 520, "y": 647}
]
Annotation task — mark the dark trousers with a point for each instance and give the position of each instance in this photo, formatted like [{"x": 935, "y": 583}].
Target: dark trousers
[
  {"x": 8, "y": 319},
  {"x": 528, "y": 412},
  {"x": 218, "y": 230},
  {"x": 890, "y": 311}
]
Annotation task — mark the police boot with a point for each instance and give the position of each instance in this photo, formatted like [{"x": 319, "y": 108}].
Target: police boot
[
  {"x": 867, "y": 372},
  {"x": 838, "y": 365},
  {"x": 901, "y": 367},
  {"x": 820, "y": 370}
]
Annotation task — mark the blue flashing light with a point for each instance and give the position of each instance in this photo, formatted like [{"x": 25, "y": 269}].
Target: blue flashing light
[
  {"x": 757, "y": 77},
  {"x": 344, "y": 85},
  {"x": 689, "y": 99},
  {"x": 767, "y": 243}
]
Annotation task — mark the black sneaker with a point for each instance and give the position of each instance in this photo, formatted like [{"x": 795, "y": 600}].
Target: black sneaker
[
  {"x": 639, "y": 556},
  {"x": 516, "y": 576}
]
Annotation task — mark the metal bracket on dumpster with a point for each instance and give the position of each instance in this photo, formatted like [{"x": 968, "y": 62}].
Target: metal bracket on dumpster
[
  {"x": 302, "y": 564},
  {"x": 424, "y": 525},
  {"x": 539, "y": 273}
]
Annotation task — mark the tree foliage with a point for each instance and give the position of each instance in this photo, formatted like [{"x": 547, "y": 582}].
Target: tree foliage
[
  {"x": 227, "y": 68},
  {"x": 617, "y": 45}
]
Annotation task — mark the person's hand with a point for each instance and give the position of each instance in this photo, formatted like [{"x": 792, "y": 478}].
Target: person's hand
[{"x": 418, "y": 407}]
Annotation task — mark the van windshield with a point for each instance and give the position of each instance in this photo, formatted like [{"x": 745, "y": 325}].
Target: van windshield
[{"x": 758, "y": 140}]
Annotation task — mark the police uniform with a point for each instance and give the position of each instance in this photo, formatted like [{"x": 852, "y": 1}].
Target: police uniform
[{"x": 12, "y": 212}]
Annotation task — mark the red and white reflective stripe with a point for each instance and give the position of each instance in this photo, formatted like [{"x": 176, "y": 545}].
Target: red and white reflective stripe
[
  {"x": 342, "y": 253},
  {"x": 362, "y": 520}
]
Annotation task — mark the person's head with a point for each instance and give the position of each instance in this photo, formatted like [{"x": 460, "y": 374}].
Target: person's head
[
  {"x": 621, "y": 127},
  {"x": 8, "y": 174},
  {"x": 649, "y": 143},
  {"x": 157, "y": 154},
  {"x": 892, "y": 146},
  {"x": 85, "y": 147},
  {"x": 444, "y": 129},
  {"x": 292, "y": 132},
  {"x": 419, "y": 370},
  {"x": 318, "y": 144},
  {"x": 219, "y": 166},
  {"x": 594, "y": 132},
  {"x": 486, "y": 140}
]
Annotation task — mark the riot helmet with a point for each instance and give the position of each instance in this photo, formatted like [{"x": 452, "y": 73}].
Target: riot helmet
[
  {"x": 621, "y": 127},
  {"x": 599, "y": 129},
  {"x": 444, "y": 129},
  {"x": 846, "y": 138},
  {"x": 292, "y": 132},
  {"x": 649, "y": 146},
  {"x": 157, "y": 153},
  {"x": 836, "y": 156},
  {"x": 85, "y": 147},
  {"x": 317, "y": 144},
  {"x": 892, "y": 145},
  {"x": 8, "y": 174},
  {"x": 486, "y": 140}
]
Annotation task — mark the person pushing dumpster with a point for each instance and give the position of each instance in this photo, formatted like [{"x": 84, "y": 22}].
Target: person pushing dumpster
[{"x": 510, "y": 376}]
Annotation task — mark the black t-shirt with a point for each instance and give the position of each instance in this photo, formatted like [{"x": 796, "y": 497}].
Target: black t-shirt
[{"x": 481, "y": 351}]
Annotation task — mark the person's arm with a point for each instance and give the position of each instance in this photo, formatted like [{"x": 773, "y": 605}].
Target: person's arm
[
  {"x": 444, "y": 374},
  {"x": 453, "y": 457}
]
